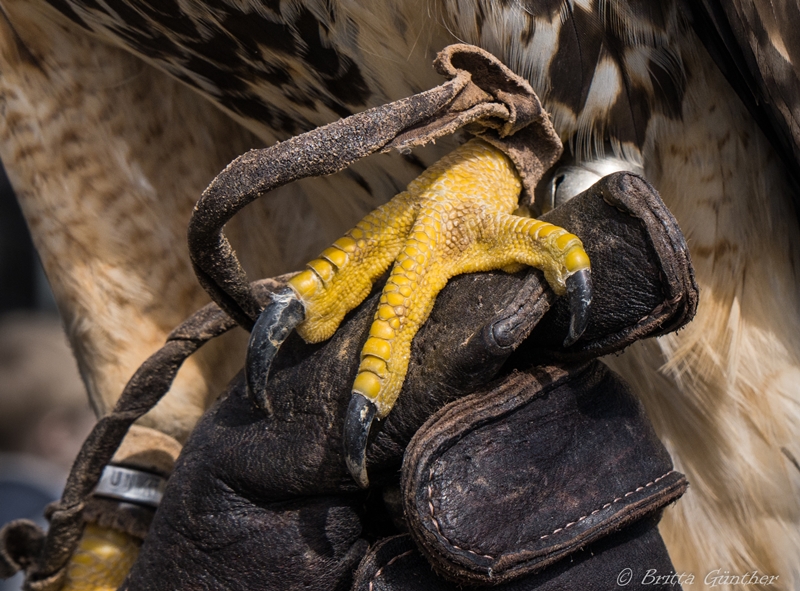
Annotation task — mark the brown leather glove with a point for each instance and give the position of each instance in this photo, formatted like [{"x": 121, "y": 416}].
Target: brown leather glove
[
  {"x": 550, "y": 479},
  {"x": 535, "y": 461}
]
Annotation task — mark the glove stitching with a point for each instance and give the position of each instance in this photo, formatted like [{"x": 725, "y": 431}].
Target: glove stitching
[
  {"x": 387, "y": 565},
  {"x": 436, "y": 521},
  {"x": 607, "y": 505},
  {"x": 560, "y": 529}
]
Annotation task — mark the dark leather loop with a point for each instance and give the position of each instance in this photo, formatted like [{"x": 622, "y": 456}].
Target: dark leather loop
[{"x": 482, "y": 93}]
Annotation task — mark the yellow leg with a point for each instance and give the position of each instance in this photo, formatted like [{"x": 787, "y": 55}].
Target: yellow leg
[
  {"x": 101, "y": 561},
  {"x": 342, "y": 276}
]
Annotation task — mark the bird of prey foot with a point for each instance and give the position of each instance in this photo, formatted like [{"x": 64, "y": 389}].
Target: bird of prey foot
[{"x": 457, "y": 217}]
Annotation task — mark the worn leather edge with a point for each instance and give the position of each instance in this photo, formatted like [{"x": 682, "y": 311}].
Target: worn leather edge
[{"x": 636, "y": 504}]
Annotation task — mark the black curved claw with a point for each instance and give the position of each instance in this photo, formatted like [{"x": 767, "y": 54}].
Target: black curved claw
[
  {"x": 274, "y": 324},
  {"x": 579, "y": 291},
  {"x": 360, "y": 414}
]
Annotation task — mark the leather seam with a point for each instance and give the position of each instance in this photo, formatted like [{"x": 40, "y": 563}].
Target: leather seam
[
  {"x": 560, "y": 529},
  {"x": 388, "y": 564}
]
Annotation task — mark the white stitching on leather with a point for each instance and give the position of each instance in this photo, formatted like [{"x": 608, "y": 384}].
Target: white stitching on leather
[
  {"x": 388, "y": 564},
  {"x": 568, "y": 525}
]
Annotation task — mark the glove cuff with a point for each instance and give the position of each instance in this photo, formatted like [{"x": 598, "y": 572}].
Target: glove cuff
[{"x": 511, "y": 480}]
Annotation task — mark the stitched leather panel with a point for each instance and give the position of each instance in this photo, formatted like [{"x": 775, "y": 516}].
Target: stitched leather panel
[{"x": 510, "y": 481}]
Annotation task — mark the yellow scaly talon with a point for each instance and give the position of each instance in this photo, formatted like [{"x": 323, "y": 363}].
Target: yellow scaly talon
[{"x": 455, "y": 218}]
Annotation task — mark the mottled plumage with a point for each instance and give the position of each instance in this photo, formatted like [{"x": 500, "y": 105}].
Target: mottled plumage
[{"x": 108, "y": 154}]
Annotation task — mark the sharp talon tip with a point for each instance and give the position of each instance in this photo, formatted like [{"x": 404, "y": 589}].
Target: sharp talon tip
[
  {"x": 274, "y": 325},
  {"x": 360, "y": 414},
  {"x": 579, "y": 291}
]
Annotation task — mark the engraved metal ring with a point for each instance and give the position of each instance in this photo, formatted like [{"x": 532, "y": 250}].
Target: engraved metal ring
[{"x": 133, "y": 486}]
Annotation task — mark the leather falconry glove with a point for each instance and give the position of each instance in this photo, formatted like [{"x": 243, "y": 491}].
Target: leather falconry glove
[{"x": 508, "y": 459}]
